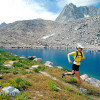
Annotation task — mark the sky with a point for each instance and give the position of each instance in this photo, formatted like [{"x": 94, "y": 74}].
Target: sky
[{"x": 14, "y": 10}]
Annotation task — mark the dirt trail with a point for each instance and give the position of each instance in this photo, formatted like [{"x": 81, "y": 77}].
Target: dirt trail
[
  {"x": 54, "y": 78},
  {"x": 66, "y": 84}
]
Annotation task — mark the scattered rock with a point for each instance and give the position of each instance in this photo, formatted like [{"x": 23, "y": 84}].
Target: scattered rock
[
  {"x": 31, "y": 57},
  {"x": 11, "y": 62},
  {"x": 0, "y": 75},
  {"x": 10, "y": 90},
  {"x": 23, "y": 57},
  {"x": 59, "y": 67},
  {"x": 93, "y": 81},
  {"x": 58, "y": 88},
  {"x": 34, "y": 66},
  {"x": 38, "y": 60},
  {"x": 7, "y": 65},
  {"x": 49, "y": 64},
  {"x": 38, "y": 93},
  {"x": 83, "y": 77}
]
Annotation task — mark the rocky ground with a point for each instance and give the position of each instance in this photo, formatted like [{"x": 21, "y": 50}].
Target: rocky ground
[
  {"x": 73, "y": 25},
  {"x": 49, "y": 34}
]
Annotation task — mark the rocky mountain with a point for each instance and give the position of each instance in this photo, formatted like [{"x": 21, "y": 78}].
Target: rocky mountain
[
  {"x": 25, "y": 33},
  {"x": 71, "y": 12},
  {"x": 52, "y": 34},
  {"x": 2, "y": 24}
]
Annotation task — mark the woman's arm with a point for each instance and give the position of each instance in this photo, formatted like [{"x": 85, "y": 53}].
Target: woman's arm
[
  {"x": 72, "y": 53},
  {"x": 83, "y": 56}
]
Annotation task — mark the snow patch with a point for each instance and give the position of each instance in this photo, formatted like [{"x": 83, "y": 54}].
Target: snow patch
[
  {"x": 86, "y": 16},
  {"x": 45, "y": 37}
]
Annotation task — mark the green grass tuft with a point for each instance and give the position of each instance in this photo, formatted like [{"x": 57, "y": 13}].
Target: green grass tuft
[
  {"x": 36, "y": 70},
  {"x": 52, "y": 85},
  {"x": 73, "y": 80},
  {"x": 68, "y": 88}
]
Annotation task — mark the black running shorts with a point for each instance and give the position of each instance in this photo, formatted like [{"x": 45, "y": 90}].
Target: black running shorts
[{"x": 75, "y": 67}]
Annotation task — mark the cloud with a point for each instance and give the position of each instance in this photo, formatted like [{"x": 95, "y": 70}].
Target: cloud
[
  {"x": 13, "y": 10},
  {"x": 62, "y": 3},
  {"x": 51, "y": 5}
]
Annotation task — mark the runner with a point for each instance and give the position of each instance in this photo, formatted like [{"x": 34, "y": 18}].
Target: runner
[{"x": 78, "y": 55}]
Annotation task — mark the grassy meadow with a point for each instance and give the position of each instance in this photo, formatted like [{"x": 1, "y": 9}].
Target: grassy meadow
[{"x": 36, "y": 86}]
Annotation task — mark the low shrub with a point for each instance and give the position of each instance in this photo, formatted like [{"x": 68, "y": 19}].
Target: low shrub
[
  {"x": 36, "y": 70},
  {"x": 4, "y": 67},
  {"x": 28, "y": 83},
  {"x": 25, "y": 67},
  {"x": 1, "y": 62},
  {"x": 10, "y": 81},
  {"x": 78, "y": 93},
  {"x": 5, "y": 71},
  {"x": 68, "y": 88},
  {"x": 17, "y": 64},
  {"x": 22, "y": 96},
  {"x": 8, "y": 56},
  {"x": 30, "y": 72},
  {"x": 4, "y": 96},
  {"x": 63, "y": 69},
  {"x": 23, "y": 71},
  {"x": 15, "y": 72},
  {"x": 21, "y": 83},
  {"x": 19, "y": 80},
  {"x": 18, "y": 83},
  {"x": 73, "y": 80},
  {"x": 41, "y": 67},
  {"x": 52, "y": 85}
]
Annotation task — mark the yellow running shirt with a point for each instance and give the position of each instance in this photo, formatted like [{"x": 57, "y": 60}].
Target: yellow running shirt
[{"x": 76, "y": 59}]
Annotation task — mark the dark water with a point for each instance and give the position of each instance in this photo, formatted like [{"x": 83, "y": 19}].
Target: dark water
[{"x": 90, "y": 66}]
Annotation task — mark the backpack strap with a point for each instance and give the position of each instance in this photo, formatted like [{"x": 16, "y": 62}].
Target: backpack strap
[
  {"x": 77, "y": 54},
  {"x": 81, "y": 54}
]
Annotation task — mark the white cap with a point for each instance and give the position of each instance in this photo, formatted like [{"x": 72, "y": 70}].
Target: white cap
[{"x": 79, "y": 46}]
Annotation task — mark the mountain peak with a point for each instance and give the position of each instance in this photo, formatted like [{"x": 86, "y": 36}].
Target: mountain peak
[
  {"x": 71, "y": 12},
  {"x": 71, "y": 4},
  {"x": 2, "y": 24}
]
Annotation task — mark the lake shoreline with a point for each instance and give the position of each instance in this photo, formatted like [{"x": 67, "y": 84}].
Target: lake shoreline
[
  {"x": 42, "y": 47},
  {"x": 59, "y": 58}
]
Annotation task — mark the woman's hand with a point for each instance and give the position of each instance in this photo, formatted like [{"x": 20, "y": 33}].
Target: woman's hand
[
  {"x": 84, "y": 58},
  {"x": 70, "y": 61}
]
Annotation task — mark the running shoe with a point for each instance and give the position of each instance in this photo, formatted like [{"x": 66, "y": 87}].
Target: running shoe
[
  {"x": 82, "y": 89},
  {"x": 63, "y": 74}
]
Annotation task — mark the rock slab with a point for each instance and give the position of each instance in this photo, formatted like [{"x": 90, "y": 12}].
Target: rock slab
[
  {"x": 49, "y": 64},
  {"x": 10, "y": 90},
  {"x": 90, "y": 80}
]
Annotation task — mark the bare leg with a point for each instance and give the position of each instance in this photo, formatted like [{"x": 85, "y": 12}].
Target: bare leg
[
  {"x": 70, "y": 73},
  {"x": 78, "y": 78}
]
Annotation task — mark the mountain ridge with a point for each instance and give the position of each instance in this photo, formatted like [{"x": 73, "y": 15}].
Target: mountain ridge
[
  {"x": 3, "y": 24},
  {"x": 51, "y": 34},
  {"x": 71, "y": 12}
]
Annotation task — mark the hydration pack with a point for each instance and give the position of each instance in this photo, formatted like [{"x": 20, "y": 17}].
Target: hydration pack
[{"x": 78, "y": 55}]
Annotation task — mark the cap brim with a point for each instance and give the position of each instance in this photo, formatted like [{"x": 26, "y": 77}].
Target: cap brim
[{"x": 81, "y": 47}]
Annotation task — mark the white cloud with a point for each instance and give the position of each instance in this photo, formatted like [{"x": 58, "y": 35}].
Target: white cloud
[
  {"x": 62, "y": 3},
  {"x": 13, "y": 10}
]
